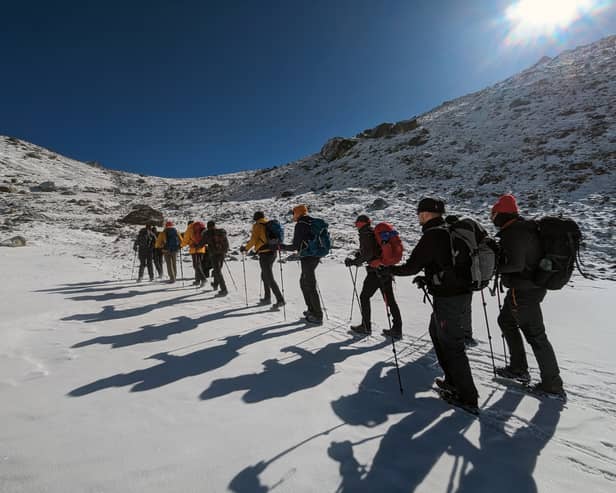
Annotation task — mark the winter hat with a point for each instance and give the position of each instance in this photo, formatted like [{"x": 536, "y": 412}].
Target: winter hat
[
  {"x": 258, "y": 215},
  {"x": 506, "y": 204},
  {"x": 299, "y": 211},
  {"x": 211, "y": 225},
  {"x": 361, "y": 221},
  {"x": 431, "y": 204},
  {"x": 169, "y": 224}
]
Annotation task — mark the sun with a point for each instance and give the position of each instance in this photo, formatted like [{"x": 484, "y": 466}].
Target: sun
[{"x": 536, "y": 18}]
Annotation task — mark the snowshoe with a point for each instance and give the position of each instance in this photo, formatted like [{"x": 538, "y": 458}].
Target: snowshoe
[
  {"x": 392, "y": 333},
  {"x": 444, "y": 385},
  {"x": 360, "y": 330},
  {"x": 278, "y": 305},
  {"x": 265, "y": 301},
  {"x": 453, "y": 399},
  {"x": 522, "y": 377},
  {"x": 540, "y": 390},
  {"x": 313, "y": 319}
]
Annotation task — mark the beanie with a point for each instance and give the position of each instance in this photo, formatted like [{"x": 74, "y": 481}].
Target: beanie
[
  {"x": 431, "y": 204},
  {"x": 505, "y": 204},
  {"x": 299, "y": 211},
  {"x": 169, "y": 224},
  {"x": 258, "y": 215},
  {"x": 211, "y": 225},
  {"x": 362, "y": 220}
]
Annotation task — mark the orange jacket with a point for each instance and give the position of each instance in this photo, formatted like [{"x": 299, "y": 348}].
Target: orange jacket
[
  {"x": 188, "y": 240},
  {"x": 258, "y": 237}
]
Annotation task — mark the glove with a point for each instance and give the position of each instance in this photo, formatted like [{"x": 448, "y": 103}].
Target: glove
[
  {"x": 349, "y": 261},
  {"x": 420, "y": 281},
  {"x": 242, "y": 249}
]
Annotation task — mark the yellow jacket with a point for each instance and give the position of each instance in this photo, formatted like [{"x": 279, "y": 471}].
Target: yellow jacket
[
  {"x": 187, "y": 240},
  {"x": 161, "y": 239},
  {"x": 258, "y": 237}
]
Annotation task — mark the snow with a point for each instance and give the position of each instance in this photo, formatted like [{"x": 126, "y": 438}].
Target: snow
[{"x": 109, "y": 385}]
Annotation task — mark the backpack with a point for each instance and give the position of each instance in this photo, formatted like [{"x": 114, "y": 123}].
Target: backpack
[
  {"x": 473, "y": 251},
  {"x": 274, "y": 232},
  {"x": 560, "y": 239},
  {"x": 320, "y": 243},
  {"x": 145, "y": 239},
  {"x": 219, "y": 243},
  {"x": 173, "y": 241},
  {"x": 197, "y": 231},
  {"x": 389, "y": 243}
]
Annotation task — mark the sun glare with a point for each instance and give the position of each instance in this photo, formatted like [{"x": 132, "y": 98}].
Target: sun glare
[{"x": 530, "y": 19}]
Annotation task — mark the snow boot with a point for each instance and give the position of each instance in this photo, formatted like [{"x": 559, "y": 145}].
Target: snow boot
[
  {"x": 522, "y": 377},
  {"x": 454, "y": 399},
  {"x": 265, "y": 301},
  {"x": 443, "y": 384},
  {"x": 361, "y": 329},
  {"x": 543, "y": 390},
  {"x": 313, "y": 319},
  {"x": 394, "y": 334},
  {"x": 278, "y": 304},
  {"x": 470, "y": 342}
]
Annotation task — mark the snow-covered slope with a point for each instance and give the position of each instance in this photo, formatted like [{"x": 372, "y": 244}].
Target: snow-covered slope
[{"x": 547, "y": 134}]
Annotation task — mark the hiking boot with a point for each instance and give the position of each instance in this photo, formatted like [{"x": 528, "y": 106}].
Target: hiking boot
[
  {"x": 454, "y": 399},
  {"x": 196, "y": 283},
  {"x": 470, "y": 342},
  {"x": 171, "y": 281},
  {"x": 139, "y": 279},
  {"x": 443, "y": 384},
  {"x": 278, "y": 304},
  {"x": 265, "y": 301},
  {"x": 396, "y": 335},
  {"x": 507, "y": 372},
  {"x": 361, "y": 329},
  {"x": 151, "y": 279},
  {"x": 549, "y": 390},
  {"x": 306, "y": 313},
  {"x": 313, "y": 319}
]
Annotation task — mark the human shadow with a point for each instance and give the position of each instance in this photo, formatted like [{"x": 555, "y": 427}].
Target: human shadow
[
  {"x": 154, "y": 333},
  {"x": 121, "y": 295},
  {"x": 280, "y": 380},
  {"x": 109, "y": 312},
  {"x": 173, "y": 368},
  {"x": 505, "y": 461}
]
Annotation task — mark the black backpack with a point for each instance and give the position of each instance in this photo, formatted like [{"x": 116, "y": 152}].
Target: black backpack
[
  {"x": 218, "y": 242},
  {"x": 145, "y": 239},
  {"x": 560, "y": 239}
]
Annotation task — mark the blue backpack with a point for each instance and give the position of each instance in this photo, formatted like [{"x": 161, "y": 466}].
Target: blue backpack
[
  {"x": 320, "y": 243},
  {"x": 274, "y": 232},
  {"x": 173, "y": 241}
]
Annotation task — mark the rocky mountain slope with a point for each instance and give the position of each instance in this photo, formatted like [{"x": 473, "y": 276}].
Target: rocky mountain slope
[{"x": 547, "y": 134}]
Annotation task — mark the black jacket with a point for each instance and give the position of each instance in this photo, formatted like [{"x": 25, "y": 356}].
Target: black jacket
[
  {"x": 368, "y": 247},
  {"x": 433, "y": 255},
  {"x": 520, "y": 253},
  {"x": 145, "y": 241},
  {"x": 302, "y": 234}
]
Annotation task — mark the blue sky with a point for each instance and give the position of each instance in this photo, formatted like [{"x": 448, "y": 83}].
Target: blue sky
[{"x": 193, "y": 88}]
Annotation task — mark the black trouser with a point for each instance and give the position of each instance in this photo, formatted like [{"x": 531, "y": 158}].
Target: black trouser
[
  {"x": 197, "y": 259},
  {"x": 217, "y": 261},
  {"x": 372, "y": 283},
  {"x": 158, "y": 261},
  {"x": 447, "y": 333},
  {"x": 522, "y": 312},
  {"x": 467, "y": 318},
  {"x": 308, "y": 285},
  {"x": 145, "y": 259},
  {"x": 266, "y": 261}
]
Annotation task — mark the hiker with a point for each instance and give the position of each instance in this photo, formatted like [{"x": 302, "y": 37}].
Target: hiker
[
  {"x": 169, "y": 241},
  {"x": 307, "y": 281},
  {"x": 267, "y": 256},
  {"x": 158, "y": 255},
  {"x": 520, "y": 253},
  {"x": 217, "y": 246},
  {"x": 144, "y": 245},
  {"x": 190, "y": 238},
  {"x": 370, "y": 253},
  {"x": 451, "y": 291}
]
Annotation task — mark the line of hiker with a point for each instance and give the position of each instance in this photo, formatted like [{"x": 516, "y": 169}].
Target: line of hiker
[{"x": 456, "y": 257}]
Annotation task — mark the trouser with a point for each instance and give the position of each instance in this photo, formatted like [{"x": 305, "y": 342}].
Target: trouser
[
  {"x": 308, "y": 285},
  {"x": 266, "y": 261},
  {"x": 447, "y": 333},
  {"x": 158, "y": 261},
  {"x": 206, "y": 264},
  {"x": 197, "y": 259},
  {"x": 145, "y": 259},
  {"x": 171, "y": 259},
  {"x": 521, "y": 312},
  {"x": 467, "y": 318},
  {"x": 217, "y": 261},
  {"x": 372, "y": 283}
]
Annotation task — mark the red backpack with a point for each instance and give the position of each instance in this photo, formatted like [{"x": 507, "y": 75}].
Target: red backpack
[
  {"x": 197, "y": 231},
  {"x": 390, "y": 243}
]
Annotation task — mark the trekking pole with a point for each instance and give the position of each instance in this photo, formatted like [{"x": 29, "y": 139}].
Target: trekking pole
[
  {"x": 132, "y": 271},
  {"x": 181, "y": 268},
  {"x": 230, "y": 275},
  {"x": 355, "y": 295},
  {"x": 500, "y": 307},
  {"x": 284, "y": 308},
  {"x": 485, "y": 312},
  {"x": 244, "y": 271},
  {"x": 393, "y": 342},
  {"x": 322, "y": 302}
]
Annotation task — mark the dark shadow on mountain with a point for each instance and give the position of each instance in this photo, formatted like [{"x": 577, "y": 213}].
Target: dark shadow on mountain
[
  {"x": 280, "y": 380},
  {"x": 154, "y": 333},
  {"x": 109, "y": 312},
  {"x": 503, "y": 461},
  {"x": 173, "y": 368}
]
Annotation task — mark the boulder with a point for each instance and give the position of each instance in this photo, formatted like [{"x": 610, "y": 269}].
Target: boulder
[
  {"x": 15, "y": 241},
  {"x": 47, "y": 186},
  {"x": 378, "y": 204},
  {"x": 143, "y": 214},
  {"x": 7, "y": 189},
  {"x": 405, "y": 126},
  {"x": 336, "y": 147}
]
